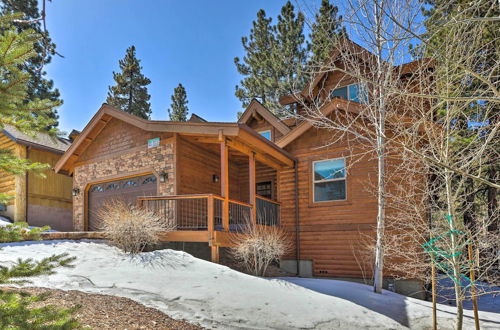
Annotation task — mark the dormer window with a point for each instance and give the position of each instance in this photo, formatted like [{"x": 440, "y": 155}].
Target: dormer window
[
  {"x": 354, "y": 92},
  {"x": 266, "y": 134}
]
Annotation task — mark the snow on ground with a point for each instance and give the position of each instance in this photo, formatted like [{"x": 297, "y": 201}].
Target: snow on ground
[{"x": 215, "y": 296}]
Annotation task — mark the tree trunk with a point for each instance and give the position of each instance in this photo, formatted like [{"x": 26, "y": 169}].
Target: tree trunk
[
  {"x": 493, "y": 201},
  {"x": 378, "y": 277}
]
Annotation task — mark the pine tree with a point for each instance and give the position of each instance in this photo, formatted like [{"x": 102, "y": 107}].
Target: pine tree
[
  {"x": 257, "y": 68},
  {"x": 289, "y": 54},
  {"x": 178, "y": 109},
  {"x": 16, "y": 108},
  {"x": 274, "y": 61},
  {"x": 39, "y": 87},
  {"x": 439, "y": 13},
  {"x": 130, "y": 93},
  {"x": 324, "y": 32},
  {"x": 16, "y": 311},
  {"x": 29, "y": 116}
]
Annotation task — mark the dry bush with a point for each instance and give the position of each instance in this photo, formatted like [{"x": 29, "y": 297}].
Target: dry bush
[
  {"x": 259, "y": 246},
  {"x": 131, "y": 228}
]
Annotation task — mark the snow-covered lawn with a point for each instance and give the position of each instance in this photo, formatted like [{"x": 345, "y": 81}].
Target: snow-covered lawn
[{"x": 216, "y": 296}]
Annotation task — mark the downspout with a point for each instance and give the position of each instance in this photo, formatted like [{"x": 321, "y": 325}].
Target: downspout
[{"x": 297, "y": 222}]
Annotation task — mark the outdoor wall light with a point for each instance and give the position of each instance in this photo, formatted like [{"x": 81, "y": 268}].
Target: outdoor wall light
[
  {"x": 215, "y": 178},
  {"x": 163, "y": 176},
  {"x": 75, "y": 192}
]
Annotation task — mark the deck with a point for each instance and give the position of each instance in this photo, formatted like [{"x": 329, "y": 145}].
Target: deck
[{"x": 210, "y": 218}]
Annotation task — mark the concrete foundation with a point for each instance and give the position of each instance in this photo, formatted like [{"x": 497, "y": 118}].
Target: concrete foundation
[
  {"x": 410, "y": 288},
  {"x": 305, "y": 267}
]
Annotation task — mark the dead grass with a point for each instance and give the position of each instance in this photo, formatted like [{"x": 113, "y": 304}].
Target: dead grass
[
  {"x": 259, "y": 246},
  {"x": 131, "y": 228}
]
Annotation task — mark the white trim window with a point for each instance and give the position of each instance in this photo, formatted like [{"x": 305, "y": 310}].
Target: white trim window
[
  {"x": 266, "y": 134},
  {"x": 329, "y": 180},
  {"x": 353, "y": 92}
]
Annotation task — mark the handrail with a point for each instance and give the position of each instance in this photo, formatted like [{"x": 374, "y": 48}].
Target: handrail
[
  {"x": 189, "y": 196},
  {"x": 268, "y": 199},
  {"x": 239, "y": 203}
]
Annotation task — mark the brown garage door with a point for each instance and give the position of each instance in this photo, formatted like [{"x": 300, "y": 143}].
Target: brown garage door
[{"x": 126, "y": 190}]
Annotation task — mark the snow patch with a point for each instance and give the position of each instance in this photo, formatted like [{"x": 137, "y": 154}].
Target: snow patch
[{"x": 216, "y": 296}]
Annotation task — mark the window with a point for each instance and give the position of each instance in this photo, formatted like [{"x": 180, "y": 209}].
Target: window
[
  {"x": 151, "y": 179},
  {"x": 266, "y": 134},
  {"x": 129, "y": 184},
  {"x": 264, "y": 189},
  {"x": 354, "y": 92},
  {"x": 329, "y": 180},
  {"x": 96, "y": 189},
  {"x": 112, "y": 186}
]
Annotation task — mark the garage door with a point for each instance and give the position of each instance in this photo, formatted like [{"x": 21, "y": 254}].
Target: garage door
[{"x": 126, "y": 190}]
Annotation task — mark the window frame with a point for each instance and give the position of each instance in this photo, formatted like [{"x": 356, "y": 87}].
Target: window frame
[
  {"x": 265, "y": 131},
  {"x": 271, "y": 188},
  {"x": 348, "y": 93},
  {"x": 314, "y": 181}
]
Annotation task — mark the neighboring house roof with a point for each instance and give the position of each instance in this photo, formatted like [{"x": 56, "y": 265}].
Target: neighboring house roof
[
  {"x": 73, "y": 135},
  {"x": 256, "y": 107},
  {"x": 197, "y": 119},
  {"x": 40, "y": 140},
  {"x": 242, "y": 134}
]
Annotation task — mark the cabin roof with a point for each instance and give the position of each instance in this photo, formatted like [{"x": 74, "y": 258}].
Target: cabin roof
[
  {"x": 363, "y": 53},
  {"x": 40, "y": 140},
  {"x": 240, "y": 132},
  {"x": 255, "y": 107}
]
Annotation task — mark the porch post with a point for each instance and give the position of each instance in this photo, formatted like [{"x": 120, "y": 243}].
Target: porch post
[
  {"x": 252, "y": 185},
  {"x": 224, "y": 170}
]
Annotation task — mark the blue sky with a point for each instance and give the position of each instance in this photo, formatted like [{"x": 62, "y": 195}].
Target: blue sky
[{"x": 192, "y": 42}]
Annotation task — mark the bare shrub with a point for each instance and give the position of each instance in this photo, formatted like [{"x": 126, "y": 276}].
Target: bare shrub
[
  {"x": 131, "y": 228},
  {"x": 259, "y": 246}
]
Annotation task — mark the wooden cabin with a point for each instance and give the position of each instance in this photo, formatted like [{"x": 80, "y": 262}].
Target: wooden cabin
[
  {"x": 37, "y": 200},
  {"x": 212, "y": 177}
]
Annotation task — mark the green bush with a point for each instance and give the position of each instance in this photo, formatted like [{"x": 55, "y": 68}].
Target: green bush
[{"x": 19, "y": 231}]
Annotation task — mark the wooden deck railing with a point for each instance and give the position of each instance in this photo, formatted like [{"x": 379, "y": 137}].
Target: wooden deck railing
[
  {"x": 268, "y": 211},
  {"x": 200, "y": 212}
]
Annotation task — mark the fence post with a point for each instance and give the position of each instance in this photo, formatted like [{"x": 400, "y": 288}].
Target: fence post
[{"x": 210, "y": 225}]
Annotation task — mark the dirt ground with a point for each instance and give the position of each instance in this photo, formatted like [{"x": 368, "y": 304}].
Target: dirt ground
[{"x": 108, "y": 312}]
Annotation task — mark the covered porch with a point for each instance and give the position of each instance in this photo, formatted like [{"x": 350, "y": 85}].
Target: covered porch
[{"x": 224, "y": 184}]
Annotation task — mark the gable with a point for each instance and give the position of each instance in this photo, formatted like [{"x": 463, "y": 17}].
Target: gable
[
  {"x": 116, "y": 137},
  {"x": 257, "y": 117}
]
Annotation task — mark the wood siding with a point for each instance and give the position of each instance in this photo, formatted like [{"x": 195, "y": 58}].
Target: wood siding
[
  {"x": 53, "y": 190},
  {"x": 263, "y": 125},
  {"x": 329, "y": 231},
  {"x": 49, "y": 198},
  {"x": 7, "y": 181}
]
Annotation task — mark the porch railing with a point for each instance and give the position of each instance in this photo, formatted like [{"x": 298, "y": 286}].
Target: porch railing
[
  {"x": 206, "y": 212},
  {"x": 268, "y": 211}
]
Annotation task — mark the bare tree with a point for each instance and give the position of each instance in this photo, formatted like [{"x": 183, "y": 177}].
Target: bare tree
[{"x": 431, "y": 124}]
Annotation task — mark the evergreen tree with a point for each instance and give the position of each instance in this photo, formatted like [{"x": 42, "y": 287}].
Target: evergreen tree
[
  {"x": 439, "y": 14},
  {"x": 16, "y": 108},
  {"x": 257, "y": 68},
  {"x": 130, "y": 93},
  {"x": 39, "y": 87},
  {"x": 289, "y": 54},
  {"x": 324, "y": 32},
  {"x": 30, "y": 117},
  {"x": 178, "y": 109},
  {"x": 275, "y": 58},
  {"x": 16, "y": 311}
]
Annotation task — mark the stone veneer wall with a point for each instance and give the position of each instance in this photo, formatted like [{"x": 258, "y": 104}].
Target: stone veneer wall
[{"x": 156, "y": 160}]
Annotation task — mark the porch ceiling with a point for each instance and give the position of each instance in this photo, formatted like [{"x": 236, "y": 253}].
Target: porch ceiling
[{"x": 237, "y": 136}]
